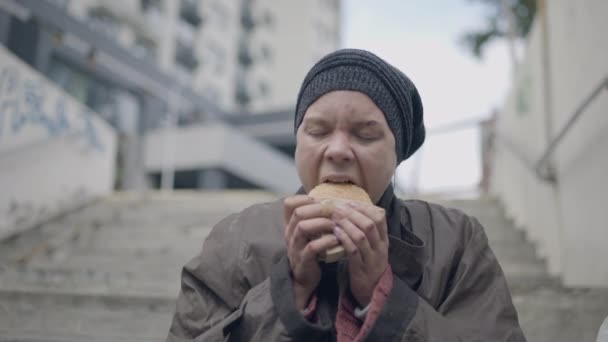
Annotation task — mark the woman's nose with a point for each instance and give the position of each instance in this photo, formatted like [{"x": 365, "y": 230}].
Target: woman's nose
[{"x": 339, "y": 149}]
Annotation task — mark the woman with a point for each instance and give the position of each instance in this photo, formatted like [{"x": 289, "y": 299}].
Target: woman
[{"x": 414, "y": 271}]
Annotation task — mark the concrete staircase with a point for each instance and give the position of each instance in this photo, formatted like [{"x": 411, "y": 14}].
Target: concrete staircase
[
  {"x": 110, "y": 272},
  {"x": 547, "y": 311}
]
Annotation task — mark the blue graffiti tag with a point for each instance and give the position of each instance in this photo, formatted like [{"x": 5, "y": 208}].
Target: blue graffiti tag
[
  {"x": 62, "y": 119},
  {"x": 9, "y": 107},
  {"x": 8, "y": 81},
  {"x": 34, "y": 101},
  {"x": 90, "y": 132},
  {"x": 28, "y": 109}
]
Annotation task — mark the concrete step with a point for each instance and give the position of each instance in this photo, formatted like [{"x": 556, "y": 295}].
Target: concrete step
[
  {"x": 503, "y": 233},
  {"x": 45, "y": 317},
  {"x": 111, "y": 271},
  {"x": 523, "y": 278},
  {"x": 155, "y": 209},
  {"x": 516, "y": 252},
  {"x": 153, "y": 267},
  {"x": 562, "y": 315},
  {"x": 491, "y": 217},
  {"x": 91, "y": 282}
]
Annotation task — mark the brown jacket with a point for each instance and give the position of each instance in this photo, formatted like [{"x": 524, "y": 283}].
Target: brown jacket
[{"x": 448, "y": 285}]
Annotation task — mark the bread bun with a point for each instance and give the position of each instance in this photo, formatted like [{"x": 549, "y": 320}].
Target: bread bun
[
  {"x": 331, "y": 194},
  {"x": 344, "y": 192}
]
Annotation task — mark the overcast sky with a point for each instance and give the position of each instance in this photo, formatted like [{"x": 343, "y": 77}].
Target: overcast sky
[{"x": 422, "y": 39}]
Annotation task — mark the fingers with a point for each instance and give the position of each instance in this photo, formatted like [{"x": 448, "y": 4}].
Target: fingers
[
  {"x": 355, "y": 242},
  {"x": 365, "y": 224},
  {"x": 361, "y": 228},
  {"x": 311, "y": 229},
  {"x": 290, "y": 204},
  {"x": 293, "y": 202},
  {"x": 305, "y": 212},
  {"x": 377, "y": 215},
  {"x": 317, "y": 246},
  {"x": 349, "y": 246},
  {"x": 308, "y": 211}
]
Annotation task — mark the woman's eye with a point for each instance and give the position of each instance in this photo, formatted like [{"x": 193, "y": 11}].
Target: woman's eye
[
  {"x": 367, "y": 136},
  {"x": 317, "y": 132}
]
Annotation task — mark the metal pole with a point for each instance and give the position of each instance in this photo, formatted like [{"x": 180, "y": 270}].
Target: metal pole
[
  {"x": 546, "y": 157},
  {"x": 511, "y": 32},
  {"x": 168, "y": 168},
  {"x": 546, "y": 167}
]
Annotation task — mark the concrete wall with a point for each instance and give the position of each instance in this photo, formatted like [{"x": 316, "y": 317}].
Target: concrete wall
[
  {"x": 215, "y": 146},
  {"x": 54, "y": 153},
  {"x": 567, "y": 220}
]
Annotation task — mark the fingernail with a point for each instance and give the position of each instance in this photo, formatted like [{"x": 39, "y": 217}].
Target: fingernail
[{"x": 337, "y": 230}]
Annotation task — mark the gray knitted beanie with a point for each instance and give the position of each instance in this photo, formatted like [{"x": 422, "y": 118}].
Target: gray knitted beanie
[{"x": 389, "y": 88}]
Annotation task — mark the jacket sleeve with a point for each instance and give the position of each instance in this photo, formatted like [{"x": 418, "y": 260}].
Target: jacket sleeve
[
  {"x": 477, "y": 306},
  {"x": 218, "y": 302}
]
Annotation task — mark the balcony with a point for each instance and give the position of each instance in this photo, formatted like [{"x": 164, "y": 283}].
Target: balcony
[
  {"x": 190, "y": 13},
  {"x": 185, "y": 56}
]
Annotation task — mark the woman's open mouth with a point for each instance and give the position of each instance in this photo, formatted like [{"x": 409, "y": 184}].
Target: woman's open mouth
[{"x": 338, "y": 179}]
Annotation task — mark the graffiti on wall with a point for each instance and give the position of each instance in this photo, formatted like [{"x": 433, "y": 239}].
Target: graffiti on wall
[{"x": 28, "y": 105}]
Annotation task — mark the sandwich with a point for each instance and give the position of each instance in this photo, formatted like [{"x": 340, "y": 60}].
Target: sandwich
[{"x": 331, "y": 194}]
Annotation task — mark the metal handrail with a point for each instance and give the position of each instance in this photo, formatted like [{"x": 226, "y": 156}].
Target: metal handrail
[
  {"x": 539, "y": 167},
  {"x": 544, "y": 159},
  {"x": 455, "y": 126}
]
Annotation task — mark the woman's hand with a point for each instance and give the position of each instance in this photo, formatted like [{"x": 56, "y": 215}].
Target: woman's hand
[
  {"x": 308, "y": 232},
  {"x": 362, "y": 230}
]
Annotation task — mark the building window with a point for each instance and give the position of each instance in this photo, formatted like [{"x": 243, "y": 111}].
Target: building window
[
  {"x": 190, "y": 12},
  {"x": 245, "y": 58},
  {"x": 268, "y": 19},
  {"x": 144, "y": 48},
  {"x": 63, "y": 4},
  {"x": 248, "y": 22},
  {"x": 242, "y": 95},
  {"x": 116, "y": 105},
  {"x": 185, "y": 56},
  {"x": 102, "y": 20},
  {"x": 264, "y": 89},
  {"x": 149, "y": 5},
  {"x": 266, "y": 53}
]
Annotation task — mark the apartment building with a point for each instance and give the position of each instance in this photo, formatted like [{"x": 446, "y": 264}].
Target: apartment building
[
  {"x": 143, "y": 64},
  {"x": 245, "y": 55}
]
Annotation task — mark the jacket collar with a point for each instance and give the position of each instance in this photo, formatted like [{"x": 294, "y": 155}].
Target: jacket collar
[{"x": 405, "y": 250}]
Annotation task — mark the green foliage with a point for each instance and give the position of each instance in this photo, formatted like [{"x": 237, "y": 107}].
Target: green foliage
[{"x": 497, "y": 25}]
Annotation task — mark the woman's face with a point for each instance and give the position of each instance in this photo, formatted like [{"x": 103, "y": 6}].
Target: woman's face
[{"x": 344, "y": 137}]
